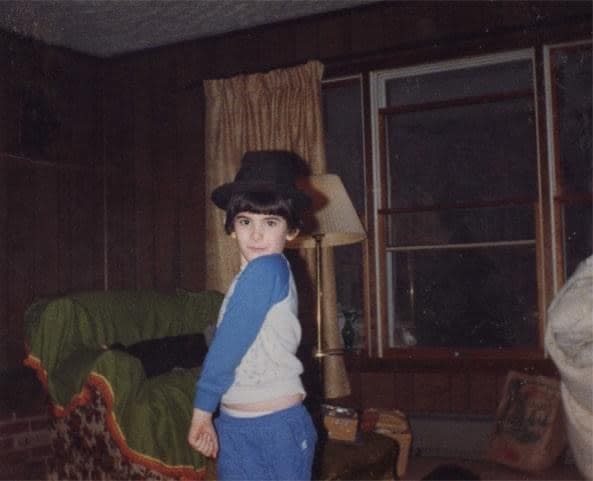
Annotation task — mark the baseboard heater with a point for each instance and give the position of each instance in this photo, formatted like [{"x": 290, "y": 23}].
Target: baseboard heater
[{"x": 451, "y": 436}]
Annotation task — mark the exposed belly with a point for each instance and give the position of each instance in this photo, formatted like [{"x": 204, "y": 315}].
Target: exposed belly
[{"x": 277, "y": 404}]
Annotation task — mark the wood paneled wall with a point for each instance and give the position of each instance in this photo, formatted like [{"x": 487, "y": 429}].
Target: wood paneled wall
[
  {"x": 460, "y": 388},
  {"x": 50, "y": 181},
  {"x": 155, "y": 197},
  {"x": 116, "y": 198},
  {"x": 100, "y": 183}
]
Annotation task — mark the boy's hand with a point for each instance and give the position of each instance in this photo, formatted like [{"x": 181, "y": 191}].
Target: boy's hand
[{"x": 202, "y": 435}]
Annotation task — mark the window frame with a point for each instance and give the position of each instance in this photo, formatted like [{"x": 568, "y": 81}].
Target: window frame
[
  {"x": 366, "y": 214},
  {"x": 557, "y": 197},
  {"x": 378, "y": 81}
]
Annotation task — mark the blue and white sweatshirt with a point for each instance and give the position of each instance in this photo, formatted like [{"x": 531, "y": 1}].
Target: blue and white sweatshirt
[{"x": 252, "y": 357}]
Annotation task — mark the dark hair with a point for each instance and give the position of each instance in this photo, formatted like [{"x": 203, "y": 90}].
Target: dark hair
[{"x": 269, "y": 203}]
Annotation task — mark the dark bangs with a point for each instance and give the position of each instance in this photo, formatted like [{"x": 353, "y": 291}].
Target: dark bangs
[{"x": 268, "y": 203}]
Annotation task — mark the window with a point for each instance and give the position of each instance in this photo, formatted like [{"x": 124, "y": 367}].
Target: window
[
  {"x": 342, "y": 108},
  {"x": 458, "y": 206},
  {"x": 569, "y": 80},
  {"x": 472, "y": 231}
]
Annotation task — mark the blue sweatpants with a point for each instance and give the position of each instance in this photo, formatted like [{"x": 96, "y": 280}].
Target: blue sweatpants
[{"x": 275, "y": 447}]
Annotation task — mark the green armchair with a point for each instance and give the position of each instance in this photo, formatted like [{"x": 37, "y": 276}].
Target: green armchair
[{"x": 116, "y": 414}]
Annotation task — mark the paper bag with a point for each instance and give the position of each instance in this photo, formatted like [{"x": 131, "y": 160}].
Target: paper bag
[{"x": 530, "y": 432}]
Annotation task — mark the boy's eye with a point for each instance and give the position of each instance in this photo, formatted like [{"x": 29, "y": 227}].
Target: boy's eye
[
  {"x": 272, "y": 222},
  {"x": 243, "y": 221}
]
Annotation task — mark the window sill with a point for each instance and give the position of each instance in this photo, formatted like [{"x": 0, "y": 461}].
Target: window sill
[{"x": 529, "y": 361}]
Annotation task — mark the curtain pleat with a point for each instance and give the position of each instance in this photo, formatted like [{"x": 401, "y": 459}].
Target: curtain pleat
[{"x": 279, "y": 110}]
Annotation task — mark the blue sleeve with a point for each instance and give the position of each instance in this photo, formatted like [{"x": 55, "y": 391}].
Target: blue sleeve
[{"x": 262, "y": 283}]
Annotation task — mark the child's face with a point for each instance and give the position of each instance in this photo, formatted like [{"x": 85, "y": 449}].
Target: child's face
[{"x": 260, "y": 235}]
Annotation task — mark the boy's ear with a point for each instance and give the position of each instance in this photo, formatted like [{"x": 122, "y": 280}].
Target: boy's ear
[
  {"x": 233, "y": 235},
  {"x": 292, "y": 235}
]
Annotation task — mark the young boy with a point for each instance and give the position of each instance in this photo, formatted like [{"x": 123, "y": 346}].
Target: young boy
[{"x": 263, "y": 431}]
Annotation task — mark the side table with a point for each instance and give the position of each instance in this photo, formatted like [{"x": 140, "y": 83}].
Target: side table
[
  {"x": 393, "y": 424},
  {"x": 372, "y": 456},
  {"x": 404, "y": 441}
]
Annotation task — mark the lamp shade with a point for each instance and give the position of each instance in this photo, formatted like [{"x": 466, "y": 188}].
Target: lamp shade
[{"x": 333, "y": 215}]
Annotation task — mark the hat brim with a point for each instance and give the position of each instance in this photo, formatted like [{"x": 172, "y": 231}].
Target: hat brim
[{"x": 222, "y": 195}]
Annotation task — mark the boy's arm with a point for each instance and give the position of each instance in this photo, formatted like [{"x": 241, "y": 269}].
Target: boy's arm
[{"x": 263, "y": 283}]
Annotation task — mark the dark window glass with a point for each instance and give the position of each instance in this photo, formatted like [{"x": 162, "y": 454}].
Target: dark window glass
[
  {"x": 472, "y": 298},
  {"x": 344, "y": 152},
  {"x": 573, "y": 82},
  {"x": 572, "y": 132}
]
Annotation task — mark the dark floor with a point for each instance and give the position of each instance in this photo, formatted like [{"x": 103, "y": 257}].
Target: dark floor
[{"x": 418, "y": 467}]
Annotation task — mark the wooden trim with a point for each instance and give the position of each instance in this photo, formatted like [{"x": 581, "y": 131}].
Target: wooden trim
[
  {"x": 540, "y": 276},
  {"x": 457, "y": 102},
  {"x": 456, "y": 354},
  {"x": 460, "y": 246},
  {"x": 98, "y": 168},
  {"x": 348, "y": 81},
  {"x": 382, "y": 233},
  {"x": 368, "y": 222},
  {"x": 461, "y": 205},
  {"x": 23, "y": 160},
  {"x": 577, "y": 199},
  {"x": 370, "y": 285},
  {"x": 388, "y": 364},
  {"x": 443, "y": 358},
  {"x": 543, "y": 251},
  {"x": 411, "y": 53},
  {"x": 557, "y": 242}
]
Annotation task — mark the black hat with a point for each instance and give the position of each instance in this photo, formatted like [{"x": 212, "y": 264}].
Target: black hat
[{"x": 265, "y": 171}]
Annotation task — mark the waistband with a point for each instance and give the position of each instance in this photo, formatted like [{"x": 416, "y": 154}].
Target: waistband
[
  {"x": 284, "y": 414},
  {"x": 236, "y": 413}
]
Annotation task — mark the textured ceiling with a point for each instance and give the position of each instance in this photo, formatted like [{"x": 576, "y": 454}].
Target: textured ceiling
[{"x": 106, "y": 28}]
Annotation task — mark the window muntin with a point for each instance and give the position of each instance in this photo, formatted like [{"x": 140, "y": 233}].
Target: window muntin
[{"x": 452, "y": 82}]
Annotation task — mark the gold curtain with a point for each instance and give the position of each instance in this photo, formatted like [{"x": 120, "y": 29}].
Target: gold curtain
[{"x": 280, "y": 110}]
